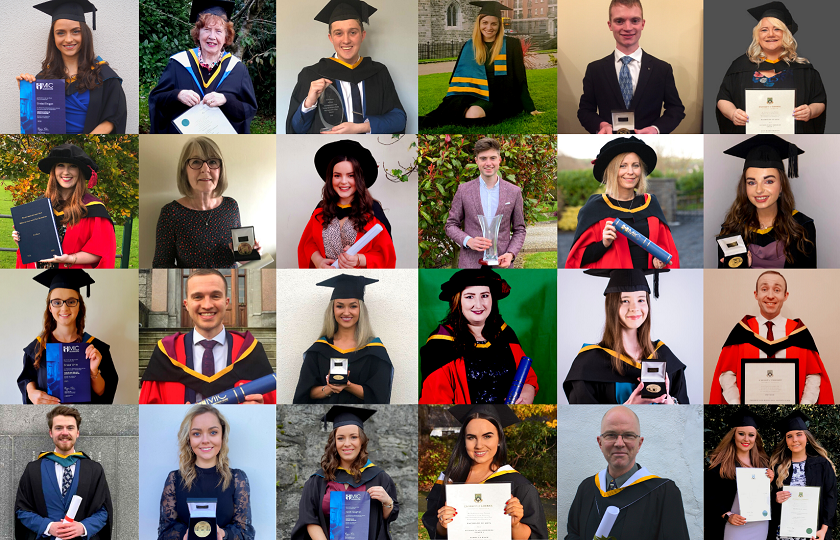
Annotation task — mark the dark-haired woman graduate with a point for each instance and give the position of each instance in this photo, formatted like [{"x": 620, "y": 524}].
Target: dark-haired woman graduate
[
  {"x": 84, "y": 226},
  {"x": 480, "y": 457},
  {"x": 347, "y": 333},
  {"x": 94, "y": 98},
  {"x": 206, "y": 74},
  {"x": 346, "y": 467}
]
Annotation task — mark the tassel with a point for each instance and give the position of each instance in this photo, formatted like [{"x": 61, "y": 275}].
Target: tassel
[
  {"x": 656, "y": 284},
  {"x": 88, "y": 291},
  {"x": 94, "y": 19},
  {"x": 93, "y": 178},
  {"x": 793, "y": 161}
]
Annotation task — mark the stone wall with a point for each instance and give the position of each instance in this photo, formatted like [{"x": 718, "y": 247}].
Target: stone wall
[
  {"x": 432, "y": 21},
  {"x": 393, "y": 446},
  {"x": 108, "y": 434},
  {"x": 665, "y": 190}
]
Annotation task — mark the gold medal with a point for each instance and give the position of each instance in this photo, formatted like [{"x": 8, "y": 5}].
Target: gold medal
[
  {"x": 653, "y": 388},
  {"x": 202, "y": 529},
  {"x": 245, "y": 248},
  {"x": 735, "y": 262},
  {"x": 624, "y": 131},
  {"x": 338, "y": 377}
]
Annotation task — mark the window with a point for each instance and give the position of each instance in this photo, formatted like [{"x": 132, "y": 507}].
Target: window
[{"x": 452, "y": 14}]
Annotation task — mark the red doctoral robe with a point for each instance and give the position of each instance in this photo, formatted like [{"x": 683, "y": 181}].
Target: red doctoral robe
[{"x": 379, "y": 252}]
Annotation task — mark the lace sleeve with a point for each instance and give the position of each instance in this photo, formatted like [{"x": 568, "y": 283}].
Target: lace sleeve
[
  {"x": 169, "y": 527},
  {"x": 240, "y": 528}
]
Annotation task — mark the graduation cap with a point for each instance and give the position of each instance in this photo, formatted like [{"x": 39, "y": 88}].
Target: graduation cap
[
  {"x": 341, "y": 10},
  {"x": 347, "y": 148},
  {"x": 462, "y": 279},
  {"x": 71, "y": 10},
  {"x": 745, "y": 417},
  {"x": 491, "y": 8},
  {"x": 795, "y": 421},
  {"x": 74, "y": 278},
  {"x": 222, "y": 8},
  {"x": 628, "y": 280},
  {"x": 777, "y": 10},
  {"x": 347, "y": 286},
  {"x": 70, "y": 153},
  {"x": 340, "y": 415},
  {"x": 623, "y": 145},
  {"x": 501, "y": 413},
  {"x": 768, "y": 151}
]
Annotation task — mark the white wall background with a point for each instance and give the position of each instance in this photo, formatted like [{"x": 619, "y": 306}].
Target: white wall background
[
  {"x": 722, "y": 172},
  {"x": 299, "y": 191},
  {"x": 391, "y": 40},
  {"x": 392, "y": 306},
  {"x": 115, "y": 39},
  {"x": 728, "y": 296},
  {"x": 251, "y": 450},
  {"x": 677, "y": 318},
  {"x": 672, "y": 449},
  {"x": 250, "y": 163},
  {"x": 111, "y": 317}
]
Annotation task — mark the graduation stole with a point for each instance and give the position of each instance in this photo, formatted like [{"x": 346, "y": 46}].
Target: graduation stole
[
  {"x": 626, "y": 359},
  {"x": 638, "y": 477},
  {"x": 183, "y": 58},
  {"x": 64, "y": 461},
  {"x": 470, "y": 78}
]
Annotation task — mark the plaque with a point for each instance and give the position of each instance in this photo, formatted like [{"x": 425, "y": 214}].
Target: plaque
[
  {"x": 330, "y": 108},
  {"x": 244, "y": 245},
  {"x": 339, "y": 370},
  {"x": 623, "y": 122},
  {"x": 42, "y": 107},
  {"x": 490, "y": 230},
  {"x": 68, "y": 372},
  {"x": 653, "y": 378},
  {"x": 35, "y": 222},
  {"x": 770, "y": 111},
  {"x": 734, "y": 251},
  {"x": 202, "y": 519},
  {"x": 769, "y": 381}
]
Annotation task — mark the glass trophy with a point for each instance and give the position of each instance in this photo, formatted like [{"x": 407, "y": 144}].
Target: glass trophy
[
  {"x": 330, "y": 108},
  {"x": 490, "y": 231}
]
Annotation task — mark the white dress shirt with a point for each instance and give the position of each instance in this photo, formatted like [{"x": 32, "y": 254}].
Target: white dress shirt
[
  {"x": 346, "y": 95},
  {"x": 489, "y": 200},
  {"x": 220, "y": 353}
]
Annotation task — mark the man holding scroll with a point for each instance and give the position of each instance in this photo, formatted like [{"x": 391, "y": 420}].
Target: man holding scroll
[{"x": 650, "y": 507}]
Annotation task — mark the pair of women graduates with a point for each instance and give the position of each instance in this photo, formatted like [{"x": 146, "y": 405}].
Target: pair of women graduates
[{"x": 798, "y": 460}]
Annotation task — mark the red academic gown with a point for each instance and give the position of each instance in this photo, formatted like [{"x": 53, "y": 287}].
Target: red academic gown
[
  {"x": 93, "y": 234},
  {"x": 167, "y": 376},
  {"x": 379, "y": 252},
  {"x": 744, "y": 342}
]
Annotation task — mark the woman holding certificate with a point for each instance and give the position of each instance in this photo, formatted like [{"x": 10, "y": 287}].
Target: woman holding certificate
[
  {"x": 348, "y": 229},
  {"x": 772, "y": 63},
  {"x": 204, "y": 472},
  {"x": 346, "y": 467},
  {"x": 764, "y": 213},
  {"x": 64, "y": 322},
  {"x": 94, "y": 98},
  {"x": 622, "y": 165},
  {"x": 84, "y": 227},
  {"x": 480, "y": 457},
  {"x": 800, "y": 460}
]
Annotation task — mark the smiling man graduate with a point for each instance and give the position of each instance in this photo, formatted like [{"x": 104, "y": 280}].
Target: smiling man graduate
[
  {"x": 228, "y": 359},
  {"x": 371, "y": 103},
  {"x": 770, "y": 335}
]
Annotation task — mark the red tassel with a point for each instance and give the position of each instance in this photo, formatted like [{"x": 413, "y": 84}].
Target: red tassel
[{"x": 93, "y": 178}]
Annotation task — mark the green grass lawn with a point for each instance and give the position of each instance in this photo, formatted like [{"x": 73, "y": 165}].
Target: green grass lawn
[
  {"x": 422, "y": 534},
  {"x": 543, "y": 259},
  {"x": 542, "y": 84}
]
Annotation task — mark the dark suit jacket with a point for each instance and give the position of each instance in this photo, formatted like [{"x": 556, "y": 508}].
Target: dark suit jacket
[{"x": 602, "y": 95}]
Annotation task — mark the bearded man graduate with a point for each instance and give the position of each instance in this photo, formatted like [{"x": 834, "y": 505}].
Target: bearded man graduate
[
  {"x": 49, "y": 483},
  {"x": 770, "y": 335},
  {"x": 186, "y": 368},
  {"x": 650, "y": 507},
  {"x": 371, "y": 103}
]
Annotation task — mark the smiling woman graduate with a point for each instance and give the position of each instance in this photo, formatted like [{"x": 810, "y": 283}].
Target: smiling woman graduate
[{"x": 95, "y": 101}]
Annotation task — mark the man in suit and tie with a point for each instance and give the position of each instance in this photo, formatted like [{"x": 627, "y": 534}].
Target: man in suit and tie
[
  {"x": 629, "y": 80},
  {"x": 487, "y": 195}
]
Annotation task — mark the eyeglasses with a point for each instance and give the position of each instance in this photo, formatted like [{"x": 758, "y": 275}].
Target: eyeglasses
[
  {"x": 611, "y": 436},
  {"x": 196, "y": 164},
  {"x": 57, "y": 302}
]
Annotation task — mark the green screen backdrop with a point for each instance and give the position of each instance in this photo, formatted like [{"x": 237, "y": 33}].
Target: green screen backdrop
[{"x": 530, "y": 310}]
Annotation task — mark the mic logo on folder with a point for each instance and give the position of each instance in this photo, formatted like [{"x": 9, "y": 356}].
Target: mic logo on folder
[
  {"x": 70, "y": 348},
  {"x": 353, "y": 496},
  {"x": 43, "y": 86}
]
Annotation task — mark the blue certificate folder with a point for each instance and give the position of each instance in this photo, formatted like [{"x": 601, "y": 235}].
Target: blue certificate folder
[
  {"x": 42, "y": 107},
  {"x": 68, "y": 372},
  {"x": 35, "y": 222},
  {"x": 349, "y": 515}
]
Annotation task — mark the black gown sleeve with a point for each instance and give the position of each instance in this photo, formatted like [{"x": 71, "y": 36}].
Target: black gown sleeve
[
  {"x": 808, "y": 259},
  {"x": 108, "y": 372},
  {"x": 517, "y": 60},
  {"x": 169, "y": 527},
  {"x": 574, "y": 528},
  {"x": 240, "y": 99},
  {"x": 591, "y": 393},
  {"x": 29, "y": 373},
  {"x": 113, "y": 107},
  {"x": 378, "y": 386},
  {"x": 240, "y": 528},
  {"x": 828, "y": 504},
  {"x": 434, "y": 502},
  {"x": 163, "y": 99},
  {"x": 719, "y": 496},
  {"x": 309, "y": 509},
  {"x": 309, "y": 377},
  {"x": 533, "y": 516},
  {"x": 593, "y": 253}
]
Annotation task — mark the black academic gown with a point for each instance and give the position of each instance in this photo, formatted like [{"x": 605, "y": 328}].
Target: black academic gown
[
  {"x": 316, "y": 487},
  {"x": 370, "y": 366},
  {"x": 591, "y": 378},
  {"x": 521, "y": 488},
  {"x": 764, "y": 237},
  {"x": 803, "y": 78},
  {"x": 229, "y": 78},
  {"x": 719, "y": 494},
  {"x": 106, "y": 369},
  {"x": 818, "y": 472},
  {"x": 107, "y": 101},
  {"x": 381, "y": 103}
]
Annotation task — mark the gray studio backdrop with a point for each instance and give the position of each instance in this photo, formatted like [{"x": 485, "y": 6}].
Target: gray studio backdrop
[
  {"x": 810, "y": 189},
  {"x": 108, "y": 434},
  {"x": 729, "y": 33},
  {"x": 299, "y": 191},
  {"x": 672, "y": 449},
  {"x": 111, "y": 317},
  {"x": 115, "y": 39},
  {"x": 391, "y": 40},
  {"x": 677, "y": 318},
  {"x": 251, "y": 446},
  {"x": 392, "y": 434}
]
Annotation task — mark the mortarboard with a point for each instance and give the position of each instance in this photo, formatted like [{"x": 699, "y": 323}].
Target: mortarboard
[
  {"x": 768, "y": 151},
  {"x": 462, "y": 279},
  {"x": 777, "y": 10},
  {"x": 745, "y": 417},
  {"x": 502, "y": 413},
  {"x": 347, "y": 148},
  {"x": 491, "y": 8},
  {"x": 623, "y": 145},
  {"x": 71, "y": 10},
  {"x": 65, "y": 279},
  {"x": 347, "y": 286},
  {"x": 795, "y": 421},
  {"x": 341, "y": 10},
  {"x": 222, "y": 8},
  {"x": 628, "y": 280},
  {"x": 340, "y": 415}
]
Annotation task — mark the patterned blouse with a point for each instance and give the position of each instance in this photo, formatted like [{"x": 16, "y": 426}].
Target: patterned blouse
[{"x": 188, "y": 238}]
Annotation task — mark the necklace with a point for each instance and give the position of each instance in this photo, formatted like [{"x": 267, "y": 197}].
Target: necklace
[
  {"x": 209, "y": 215},
  {"x": 632, "y": 201}
]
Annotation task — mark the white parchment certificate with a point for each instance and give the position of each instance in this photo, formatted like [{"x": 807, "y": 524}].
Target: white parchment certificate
[
  {"x": 203, "y": 120},
  {"x": 769, "y": 383},
  {"x": 770, "y": 111},
  {"x": 800, "y": 512},
  {"x": 480, "y": 510},
  {"x": 753, "y": 493}
]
